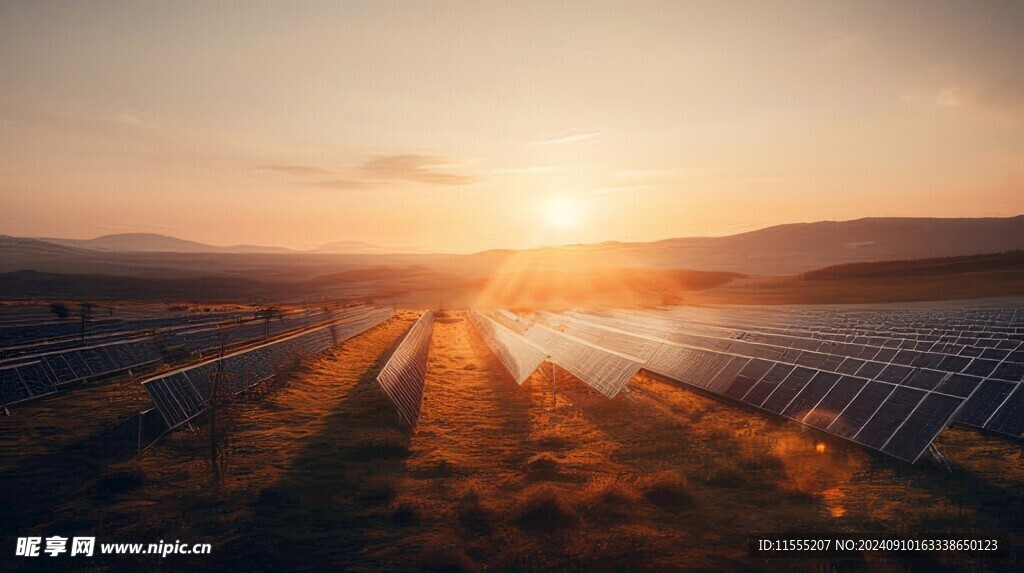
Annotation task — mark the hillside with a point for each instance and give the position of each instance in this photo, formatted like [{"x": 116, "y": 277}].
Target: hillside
[
  {"x": 156, "y": 243},
  {"x": 801, "y": 247},
  {"x": 1010, "y": 261},
  {"x": 782, "y": 250}
]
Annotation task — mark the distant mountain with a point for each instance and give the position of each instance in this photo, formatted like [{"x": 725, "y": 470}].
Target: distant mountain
[
  {"x": 156, "y": 243},
  {"x": 356, "y": 248},
  {"x": 801, "y": 247},
  {"x": 781, "y": 250},
  {"x": 1011, "y": 262}
]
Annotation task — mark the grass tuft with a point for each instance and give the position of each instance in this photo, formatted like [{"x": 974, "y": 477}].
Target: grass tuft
[
  {"x": 667, "y": 490},
  {"x": 543, "y": 466},
  {"x": 473, "y": 516},
  {"x": 545, "y": 508},
  {"x": 725, "y": 473}
]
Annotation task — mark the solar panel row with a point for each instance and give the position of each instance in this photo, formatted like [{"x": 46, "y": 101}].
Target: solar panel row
[
  {"x": 207, "y": 340},
  {"x": 401, "y": 379},
  {"x": 607, "y": 371},
  {"x": 183, "y": 394},
  {"x": 990, "y": 373},
  {"x": 519, "y": 356},
  {"x": 47, "y": 374},
  {"x": 847, "y": 359},
  {"x": 990, "y": 383},
  {"x": 877, "y": 412},
  {"x": 55, "y": 335},
  {"x": 58, "y": 369}
]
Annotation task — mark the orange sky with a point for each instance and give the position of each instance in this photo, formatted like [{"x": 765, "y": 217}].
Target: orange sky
[{"x": 460, "y": 126}]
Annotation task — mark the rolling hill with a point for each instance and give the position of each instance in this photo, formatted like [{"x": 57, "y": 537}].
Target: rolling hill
[
  {"x": 781, "y": 250},
  {"x": 801, "y": 247},
  {"x": 156, "y": 243}
]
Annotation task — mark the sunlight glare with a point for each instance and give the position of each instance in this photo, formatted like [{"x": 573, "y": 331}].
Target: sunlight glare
[{"x": 563, "y": 212}]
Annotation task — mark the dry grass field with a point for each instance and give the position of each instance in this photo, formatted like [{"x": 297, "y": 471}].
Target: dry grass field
[{"x": 313, "y": 471}]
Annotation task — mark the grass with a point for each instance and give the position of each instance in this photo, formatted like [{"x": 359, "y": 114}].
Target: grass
[
  {"x": 473, "y": 516},
  {"x": 611, "y": 499},
  {"x": 494, "y": 479},
  {"x": 543, "y": 467},
  {"x": 667, "y": 490},
  {"x": 445, "y": 560},
  {"x": 120, "y": 482},
  {"x": 545, "y": 509},
  {"x": 405, "y": 514},
  {"x": 725, "y": 474},
  {"x": 389, "y": 446}
]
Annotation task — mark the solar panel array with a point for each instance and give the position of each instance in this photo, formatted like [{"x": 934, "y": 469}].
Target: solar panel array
[
  {"x": 402, "y": 375},
  {"x": 183, "y": 394},
  {"x": 47, "y": 335},
  {"x": 892, "y": 387},
  {"x": 605, "y": 370},
  {"x": 519, "y": 356},
  {"x": 29, "y": 376},
  {"x": 207, "y": 339},
  {"x": 46, "y": 374},
  {"x": 978, "y": 355},
  {"x": 195, "y": 333}
]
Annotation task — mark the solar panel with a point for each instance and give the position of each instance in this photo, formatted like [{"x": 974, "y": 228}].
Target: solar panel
[
  {"x": 880, "y": 408},
  {"x": 986, "y": 355},
  {"x": 12, "y": 389},
  {"x": 65, "y": 367},
  {"x": 604, "y": 370},
  {"x": 182, "y": 394},
  {"x": 402, "y": 375},
  {"x": 519, "y": 356},
  {"x": 1009, "y": 418},
  {"x": 37, "y": 379}
]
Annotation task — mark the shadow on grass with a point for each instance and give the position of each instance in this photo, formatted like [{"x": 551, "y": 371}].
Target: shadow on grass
[{"x": 336, "y": 487}]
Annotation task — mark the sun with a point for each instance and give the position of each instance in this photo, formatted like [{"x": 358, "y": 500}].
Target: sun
[{"x": 563, "y": 212}]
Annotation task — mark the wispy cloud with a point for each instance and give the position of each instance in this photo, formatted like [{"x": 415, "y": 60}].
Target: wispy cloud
[
  {"x": 414, "y": 169},
  {"x": 342, "y": 184},
  {"x": 572, "y": 136},
  {"x": 402, "y": 168},
  {"x": 528, "y": 170},
  {"x": 634, "y": 180},
  {"x": 297, "y": 170},
  {"x": 135, "y": 119}
]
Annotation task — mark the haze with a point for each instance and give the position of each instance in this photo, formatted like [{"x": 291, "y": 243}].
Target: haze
[{"x": 461, "y": 126}]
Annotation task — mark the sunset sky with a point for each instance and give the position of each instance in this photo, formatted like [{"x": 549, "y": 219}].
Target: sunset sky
[{"x": 461, "y": 126}]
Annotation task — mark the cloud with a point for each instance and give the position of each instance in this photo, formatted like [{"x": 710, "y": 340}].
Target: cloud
[
  {"x": 635, "y": 180},
  {"x": 402, "y": 168},
  {"x": 133, "y": 119},
  {"x": 342, "y": 184},
  {"x": 572, "y": 136},
  {"x": 297, "y": 170},
  {"x": 413, "y": 169}
]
